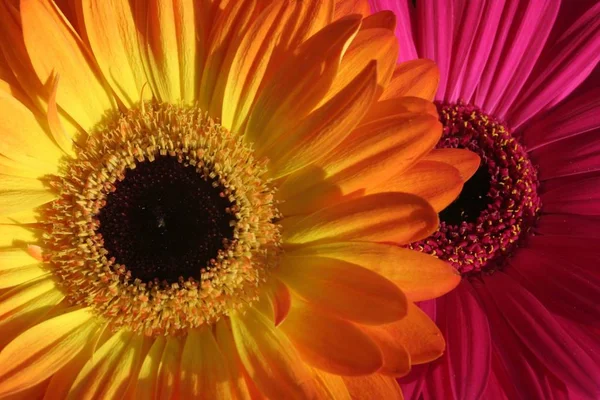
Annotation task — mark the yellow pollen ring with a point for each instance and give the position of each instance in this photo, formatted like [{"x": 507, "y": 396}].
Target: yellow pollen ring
[{"x": 89, "y": 277}]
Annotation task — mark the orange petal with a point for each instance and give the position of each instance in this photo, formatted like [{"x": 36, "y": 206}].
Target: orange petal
[
  {"x": 437, "y": 182},
  {"x": 415, "y": 78},
  {"x": 282, "y": 302},
  {"x": 396, "y": 360},
  {"x": 373, "y": 387},
  {"x": 371, "y": 43},
  {"x": 292, "y": 93},
  {"x": 44, "y": 349},
  {"x": 418, "y": 334},
  {"x": 270, "y": 358},
  {"x": 113, "y": 37},
  {"x": 347, "y": 7},
  {"x": 392, "y": 107},
  {"x": 420, "y": 276},
  {"x": 331, "y": 385},
  {"x": 329, "y": 343},
  {"x": 167, "y": 381},
  {"x": 326, "y": 127},
  {"x": 203, "y": 369},
  {"x": 465, "y": 161},
  {"x": 54, "y": 48},
  {"x": 108, "y": 372},
  {"x": 344, "y": 289},
  {"x": 380, "y": 149},
  {"x": 383, "y": 217}
]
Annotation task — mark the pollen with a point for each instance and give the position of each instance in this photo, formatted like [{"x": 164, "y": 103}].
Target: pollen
[
  {"x": 165, "y": 221},
  {"x": 497, "y": 207}
]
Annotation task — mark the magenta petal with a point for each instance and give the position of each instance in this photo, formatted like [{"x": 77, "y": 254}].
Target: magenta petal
[
  {"x": 522, "y": 35},
  {"x": 545, "y": 276},
  {"x": 468, "y": 343},
  {"x": 577, "y": 115},
  {"x": 579, "y": 195},
  {"x": 544, "y": 336},
  {"x": 587, "y": 337},
  {"x": 511, "y": 361},
  {"x": 434, "y": 36},
  {"x": 404, "y": 15},
  {"x": 471, "y": 70},
  {"x": 575, "y": 155},
  {"x": 565, "y": 66},
  {"x": 575, "y": 226},
  {"x": 468, "y": 18},
  {"x": 412, "y": 384},
  {"x": 574, "y": 250}
]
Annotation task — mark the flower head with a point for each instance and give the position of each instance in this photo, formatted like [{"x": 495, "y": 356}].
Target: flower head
[
  {"x": 521, "y": 322},
  {"x": 197, "y": 201}
]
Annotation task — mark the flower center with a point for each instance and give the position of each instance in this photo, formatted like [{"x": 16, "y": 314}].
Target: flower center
[
  {"x": 497, "y": 205},
  {"x": 164, "y": 221}
]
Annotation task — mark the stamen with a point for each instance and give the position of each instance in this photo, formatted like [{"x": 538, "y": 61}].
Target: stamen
[{"x": 500, "y": 203}]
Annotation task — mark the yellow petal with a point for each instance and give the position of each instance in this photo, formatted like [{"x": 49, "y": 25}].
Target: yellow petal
[
  {"x": 383, "y": 217},
  {"x": 169, "y": 369},
  {"x": 437, "y": 182},
  {"x": 22, "y": 194},
  {"x": 241, "y": 383},
  {"x": 229, "y": 26},
  {"x": 330, "y": 343},
  {"x": 325, "y": 127},
  {"x": 420, "y": 276},
  {"x": 342, "y": 288},
  {"x": 108, "y": 372},
  {"x": 465, "y": 161},
  {"x": 173, "y": 52},
  {"x": 24, "y": 305},
  {"x": 15, "y": 276},
  {"x": 373, "y": 387},
  {"x": 15, "y": 257},
  {"x": 291, "y": 93},
  {"x": 54, "y": 48},
  {"x": 44, "y": 349},
  {"x": 415, "y": 78},
  {"x": 347, "y": 7},
  {"x": 418, "y": 334},
  {"x": 26, "y": 142},
  {"x": 270, "y": 358},
  {"x": 113, "y": 37},
  {"x": 204, "y": 372},
  {"x": 146, "y": 385}
]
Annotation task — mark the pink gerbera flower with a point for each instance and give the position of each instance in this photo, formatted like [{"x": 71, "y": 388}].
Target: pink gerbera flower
[{"x": 525, "y": 232}]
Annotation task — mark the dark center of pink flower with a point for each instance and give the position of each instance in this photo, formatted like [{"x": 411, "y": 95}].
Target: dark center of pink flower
[{"x": 497, "y": 205}]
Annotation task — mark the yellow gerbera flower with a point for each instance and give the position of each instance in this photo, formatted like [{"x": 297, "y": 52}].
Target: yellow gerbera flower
[{"x": 199, "y": 199}]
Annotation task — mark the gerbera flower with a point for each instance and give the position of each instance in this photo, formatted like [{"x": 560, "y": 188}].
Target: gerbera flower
[
  {"x": 195, "y": 201},
  {"x": 524, "y": 321}
]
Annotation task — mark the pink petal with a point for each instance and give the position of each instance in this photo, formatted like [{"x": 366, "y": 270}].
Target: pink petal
[
  {"x": 404, "y": 11},
  {"x": 577, "y": 115},
  {"x": 434, "y": 29},
  {"x": 465, "y": 367},
  {"x": 412, "y": 384},
  {"x": 523, "y": 32},
  {"x": 562, "y": 69},
  {"x": 573, "y": 195},
  {"x": 543, "y": 335},
  {"x": 574, "y": 155},
  {"x": 576, "y": 226}
]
